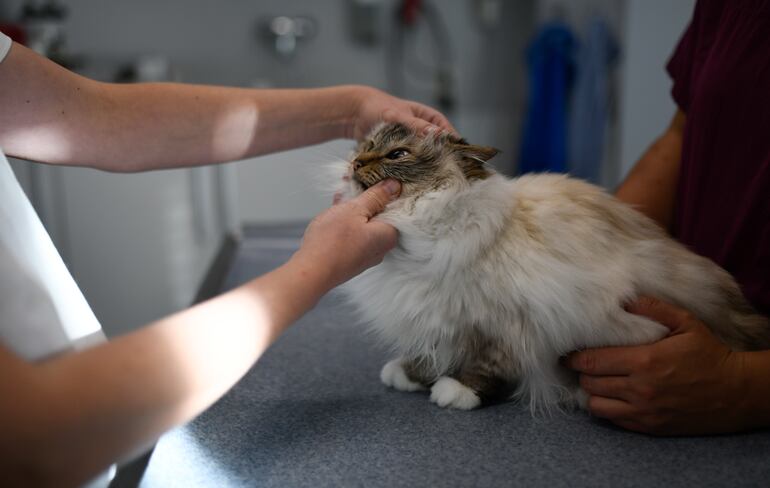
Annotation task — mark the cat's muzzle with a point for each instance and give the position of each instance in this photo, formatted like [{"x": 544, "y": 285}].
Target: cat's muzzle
[{"x": 366, "y": 177}]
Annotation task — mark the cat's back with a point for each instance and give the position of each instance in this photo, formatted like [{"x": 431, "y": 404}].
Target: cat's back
[{"x": 556, "y": 208}]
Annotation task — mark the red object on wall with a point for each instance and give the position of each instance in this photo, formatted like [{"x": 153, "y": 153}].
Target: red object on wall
[
  {"x": 15, "y": 32},
  {"x": 410, "y": 9}
]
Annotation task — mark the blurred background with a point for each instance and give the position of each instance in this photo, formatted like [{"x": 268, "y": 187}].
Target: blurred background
[{"x": 575, "y": 86}]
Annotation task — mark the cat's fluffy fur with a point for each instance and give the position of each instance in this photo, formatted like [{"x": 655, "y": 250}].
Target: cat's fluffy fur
[{"x": 494, "y": 279}]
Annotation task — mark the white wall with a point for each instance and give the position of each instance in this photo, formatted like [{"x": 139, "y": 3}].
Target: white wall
[{"x": 652, "y": 30}]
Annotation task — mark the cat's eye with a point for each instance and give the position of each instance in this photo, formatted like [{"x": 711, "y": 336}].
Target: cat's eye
[{"x": 396, "y": 154}]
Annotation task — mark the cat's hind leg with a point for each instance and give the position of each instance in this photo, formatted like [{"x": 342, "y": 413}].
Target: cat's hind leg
[
  {"x": 469, "y": 389},
  {"x": 480, "y": 379}
]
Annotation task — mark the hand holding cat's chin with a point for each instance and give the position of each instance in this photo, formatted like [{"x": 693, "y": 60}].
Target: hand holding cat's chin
[
  {"x": 344, "y": 240},
  {"x": 371, "y": 106}
]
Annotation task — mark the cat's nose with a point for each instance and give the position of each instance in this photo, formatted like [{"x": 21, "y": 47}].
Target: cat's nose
[{"x": 358, "y": 164}]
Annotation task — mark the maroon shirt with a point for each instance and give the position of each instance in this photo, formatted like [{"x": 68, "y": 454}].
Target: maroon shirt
[{"x": 721, "y": 73}]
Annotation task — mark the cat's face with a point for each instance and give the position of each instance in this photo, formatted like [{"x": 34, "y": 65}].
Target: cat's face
[{"x": 420, "y": 163}]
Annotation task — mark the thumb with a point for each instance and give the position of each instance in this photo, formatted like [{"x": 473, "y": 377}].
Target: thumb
[
  {"x": 675, "y": 318},
  {"x": 374, "y": 200}
]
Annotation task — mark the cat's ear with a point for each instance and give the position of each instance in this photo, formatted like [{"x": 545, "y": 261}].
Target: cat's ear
[{"x": 473, "y": 159}]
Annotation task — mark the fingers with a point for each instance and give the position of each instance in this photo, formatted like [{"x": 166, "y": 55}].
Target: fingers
[
  {"x": 608, "y": 361},
  {"x": 374, "y": 200},
  {"x": 605, "y": 386},
  {"x": 673, "y": 317},
  {"x": 622, "y": 414},
  {"x": 424, "y": 127},
  {"x": 610, "y": 408},
  {"x": 338, "y": 194},
  {"x": 417, "y": 124},
  {"x": 425, "y": 120},
  {"x": 630, "y": 425},
  {"x": 434, "y": 117}
]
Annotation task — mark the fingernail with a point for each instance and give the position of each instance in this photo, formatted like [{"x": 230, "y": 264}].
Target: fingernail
[
  {"x": 431, "y": 129},
  {"x": 392, "y": 186}
]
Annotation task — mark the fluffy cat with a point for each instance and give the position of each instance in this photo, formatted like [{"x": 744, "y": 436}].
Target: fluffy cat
[{"x": 494, "y": 278}]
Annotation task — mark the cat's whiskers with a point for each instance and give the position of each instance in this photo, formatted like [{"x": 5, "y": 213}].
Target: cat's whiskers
[{"x": 335, "y": 158}]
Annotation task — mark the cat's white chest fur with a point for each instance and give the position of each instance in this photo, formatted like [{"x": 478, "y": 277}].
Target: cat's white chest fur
[{"x": 432, "y": 286}]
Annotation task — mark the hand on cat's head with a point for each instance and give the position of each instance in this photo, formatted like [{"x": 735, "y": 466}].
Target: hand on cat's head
[
  {"x": 374, "y": 106},
  {"x": 345, "y": 239}
]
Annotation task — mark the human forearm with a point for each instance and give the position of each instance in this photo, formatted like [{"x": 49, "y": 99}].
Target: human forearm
[
  {"x": 67, "y": 418},
  {"x": 88, "y": 409},
  {"x": 55, "y": 116},
  {"x": 185, "y": 125},
  {"x": 651, "y": 185}
]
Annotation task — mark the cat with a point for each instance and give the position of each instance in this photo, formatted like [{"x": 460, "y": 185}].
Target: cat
[{"x": 494, "y": 279}]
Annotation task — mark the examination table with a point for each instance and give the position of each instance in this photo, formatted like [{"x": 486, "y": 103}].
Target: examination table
[{"x": 313, "y": 413}]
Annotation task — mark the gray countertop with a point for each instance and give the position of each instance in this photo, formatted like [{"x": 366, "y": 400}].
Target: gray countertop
[{"x": 312, "y": 412}]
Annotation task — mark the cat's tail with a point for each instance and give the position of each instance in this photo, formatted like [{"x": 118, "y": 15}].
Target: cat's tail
[
  {"x": 750, "y": 331},
  {"x": 698, "y": 285},
  {"x": 740, "y": 326}
]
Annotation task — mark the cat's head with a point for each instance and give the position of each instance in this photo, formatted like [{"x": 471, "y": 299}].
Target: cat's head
[{"x": 420, "y": 163}]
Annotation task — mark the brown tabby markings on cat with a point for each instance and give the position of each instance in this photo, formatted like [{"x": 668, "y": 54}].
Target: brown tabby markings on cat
[
  {"x": 522, "y": 220},
  {"x": 372, "y": 163},
  {"x": 487, "y": 367}
]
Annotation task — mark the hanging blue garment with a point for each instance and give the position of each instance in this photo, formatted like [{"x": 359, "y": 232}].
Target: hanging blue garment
[
  {"x": 544, "y": 135},
  {"x": 590, "y": 104}
]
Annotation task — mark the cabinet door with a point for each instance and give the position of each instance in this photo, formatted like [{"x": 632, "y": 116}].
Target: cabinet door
[{"x": 139, "y": 244}]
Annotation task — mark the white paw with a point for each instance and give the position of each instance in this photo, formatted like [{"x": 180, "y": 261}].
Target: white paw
[
  {"x": 393, "y": 375},
  {"x": 448, "y": 392}
]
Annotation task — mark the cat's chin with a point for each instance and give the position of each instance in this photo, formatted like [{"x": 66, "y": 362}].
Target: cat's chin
[{"x": 362, "y": 185}]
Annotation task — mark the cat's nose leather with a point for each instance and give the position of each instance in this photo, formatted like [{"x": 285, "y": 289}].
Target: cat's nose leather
[{"x": 358, "y": 164}]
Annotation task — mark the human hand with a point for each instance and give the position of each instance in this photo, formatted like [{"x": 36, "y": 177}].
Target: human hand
[
  {"x": 686, "y": 383},
  {"x": 344, "y": 240},
  {"x": 374, "y": 106}
]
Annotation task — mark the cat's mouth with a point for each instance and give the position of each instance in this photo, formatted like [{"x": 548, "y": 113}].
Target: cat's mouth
[{"x": 366, "y": 180}]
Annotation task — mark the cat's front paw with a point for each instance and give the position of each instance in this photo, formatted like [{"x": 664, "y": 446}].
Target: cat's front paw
[
  {"x": 448, "y": 392},
  {"x": 393, "y": 375}
]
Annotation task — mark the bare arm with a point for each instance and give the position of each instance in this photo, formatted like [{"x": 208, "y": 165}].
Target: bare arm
[
  {"x": 55, "y": 116},
  {"x": 66, "y": 419},
  {"x": 651, "y": 184}
]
